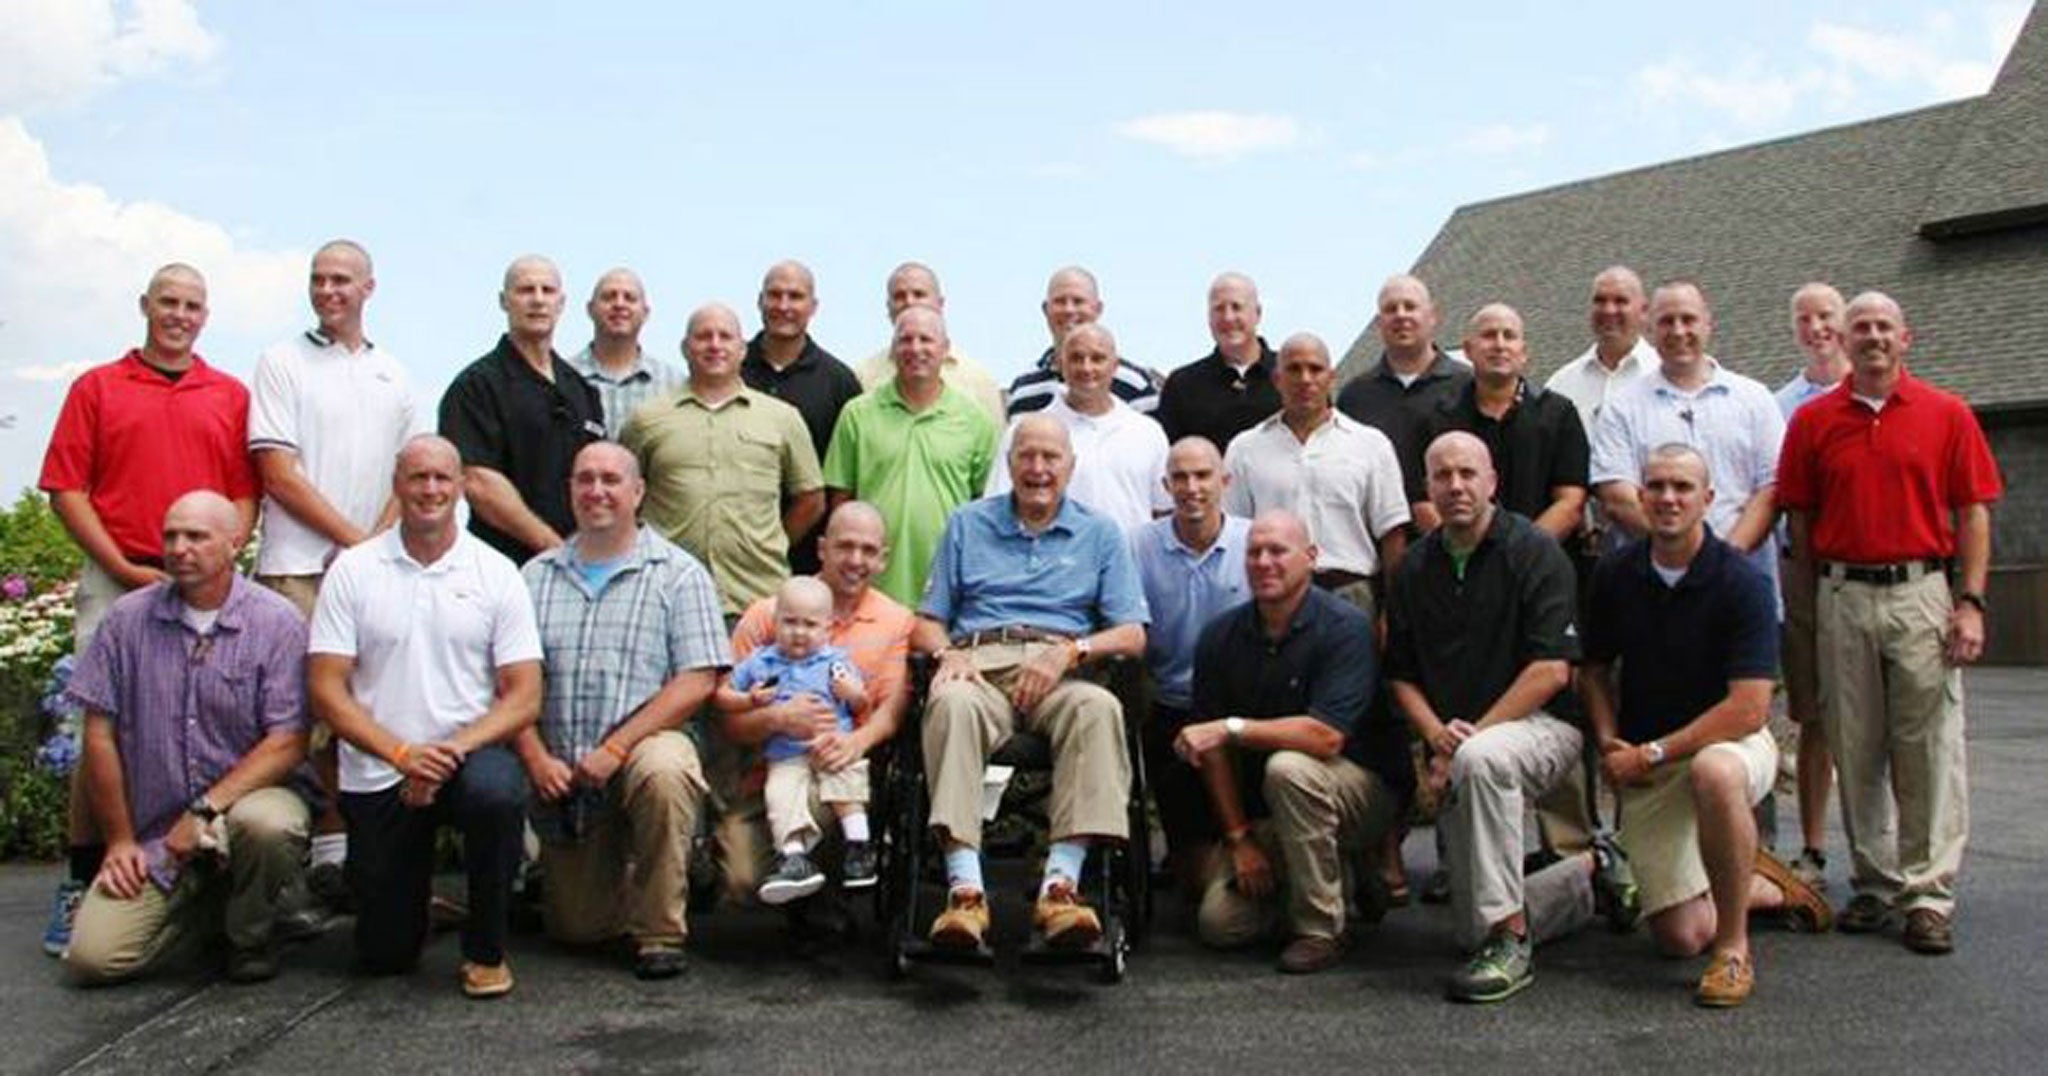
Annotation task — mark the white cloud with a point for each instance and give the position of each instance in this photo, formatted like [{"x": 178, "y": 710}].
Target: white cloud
[
  {"x": 1896, "y": 58},
  {"x": 62, "y": 372},
  {"x": 1214, "y": 135},
  {"x": 58, "y": 51},
  {"x": 1505, "y": 138},
  {"x": 73, "y": 258},
  {"x": 1747, "y": 95}
]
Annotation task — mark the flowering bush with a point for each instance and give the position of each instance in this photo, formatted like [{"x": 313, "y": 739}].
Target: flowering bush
[{"x": 38, "y": 725}]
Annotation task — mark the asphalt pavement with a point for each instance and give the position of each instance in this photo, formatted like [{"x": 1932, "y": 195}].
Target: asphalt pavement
[{"x": 1601, "y": 1002}]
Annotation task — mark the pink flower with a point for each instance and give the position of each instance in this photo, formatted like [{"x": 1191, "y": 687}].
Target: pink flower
[{"x": 14, "y": 588}]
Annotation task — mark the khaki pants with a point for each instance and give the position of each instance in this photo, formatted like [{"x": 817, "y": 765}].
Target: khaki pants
[
  {"x": 1798, "y": 656},
  {"x": 1893, "y": 710},
  {"x": 630, "y": 873},
  {"x": 792, "y": 787},
  {"x": 1494, "y": 777},
  {"x": 303, "y": 591},
  {"x": 114, "y": 939},
  {"x": 96, "y": 594},
  {"x": 1326, "y": 812},
  {"x": 966, "y": 720},
  {"x": 1660, "y": 823},
  {"x": 747, "y": 850}
]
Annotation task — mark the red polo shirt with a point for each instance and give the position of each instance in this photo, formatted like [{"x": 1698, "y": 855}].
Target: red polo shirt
[
  {"x": 1880, "y": 486},
  {"x": 134, "y": 440}
]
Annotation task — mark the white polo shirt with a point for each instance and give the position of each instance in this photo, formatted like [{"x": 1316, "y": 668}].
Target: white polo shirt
[
  {"x": 345, "y": 415},
  {"x": 1589, "y": 385},
  {"x": 1119, "y": 461},
  {"x": 428, "y": 640},
  {"x": 1344, "y": 483}
]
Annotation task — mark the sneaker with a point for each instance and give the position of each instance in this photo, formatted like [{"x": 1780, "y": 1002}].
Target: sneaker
[
  {"x": 63, "y": 909},
  {"x": 1309, "y": 954},
  {"x": 1812, "y": 868},
  {"x": 1929, "y": 932},
  {"x": 964, "y": 921},
  {"x": 659, "y": 962},
  {"x": 1805, "y": 908},
  {"x": 1502, "y": 967},
  {"x": 328, "y": 882},
  {"x": 486, "y": 980},
  {"x": 1867, "y": 913},
  {"x": 1728, "y": 980},
  {"x": 857, "y": 866},
  {"x": 1437, "y": 890},
  {"x": 1615, "y": 894},
  {"x": 795, "y": 878},
  {"x": 254, "y": 964},
  {"x": 1063, "y": 919}
]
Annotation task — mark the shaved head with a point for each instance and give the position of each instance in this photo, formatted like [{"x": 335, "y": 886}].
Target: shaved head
[
  {"x": 856, "y": 515},
  {"x": 207, "y": 508},
  {"x": 178, "y": 272},
  {"x": 1284, "y": 524},
  {"x": 1193, "y": 448},
  {"x": 531, "y": 263},
  {"x": 347, "y": 248},
  {"x": 790, "y": 268},
  {"x": 425, "y": 447},
  {"x": 618, "y": 275},
  {"x": 1874, "y": 301},
  {"x": 1454, "y": 443},
  {"x": 1621, "y": 278},
  {"x": 616, "y": 454},
  {"x": 1036, "y": 426},
  {"x": 712, "y": 312}
]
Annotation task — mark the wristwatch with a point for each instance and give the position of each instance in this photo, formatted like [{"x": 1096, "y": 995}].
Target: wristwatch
[
  {"x": 1654, "y": 751},
  {"x": 1971, "y": 597},
  {"x": 1233, "y": 727},
  {"x": 202, "y": 808},
  {"x": 1082, "y": 649}
]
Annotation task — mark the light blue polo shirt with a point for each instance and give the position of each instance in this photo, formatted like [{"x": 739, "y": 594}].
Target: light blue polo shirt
[
  {"x": 803, "y": 676},
  {"x": 1072, "y": 578},
  {"x": 1185, "y": 590}
]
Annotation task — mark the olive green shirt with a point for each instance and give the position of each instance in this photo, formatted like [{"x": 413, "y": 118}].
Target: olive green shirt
[{"x": 716, "y": 477}]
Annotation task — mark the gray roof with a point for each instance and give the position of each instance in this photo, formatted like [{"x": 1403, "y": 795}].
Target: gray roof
[{"x": 1945, "y": 208}]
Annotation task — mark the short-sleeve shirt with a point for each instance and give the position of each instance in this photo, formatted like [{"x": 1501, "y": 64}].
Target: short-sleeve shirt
[
  {"x": 1403, "y": 412},
  {"x": 1589, "y": 384},
  {"x": 1464, "y": 638},
  {"x": 1323, "y": 667},
  {"x": 620, "y": 395},
  {"x": 810, "y": 675},
  {"x": 1211, "y": 398},
  {"x": 716, "y": 478},
  {"x": 427, "y": 640},
  {"x": 1072, "y": 578},
  {"x": 1882, "y": 485},
  {"x": 1732, "y": 420},
  {"x": 1119, "y": 462},
  {"x": 1036, "y": 389},
  {"x": 344, "y": 415},
  {"x": 1797, "y": 392},
  {"x": 817, "y": 384},
  {"x": 1344, "y": 483},
  {"x": 187, "y": 708},
  {"x": 958, "y": 371},
  {"x": 876, "y": 637},
  {"x": 1184, "y": 591},
  {"x": 915, "y": 467},
  {"x": 1537, "y": 445},
  {"x": 134, "y": 439},
  {"x": 1680, "y": 646},
  {"x": 611, "y": 648},
  {"x": 502, "y": 415}
]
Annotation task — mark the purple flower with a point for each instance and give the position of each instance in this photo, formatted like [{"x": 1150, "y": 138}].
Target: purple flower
[
  {"x": 58, "y": 754},
  {"x": 14, "y": 587}
]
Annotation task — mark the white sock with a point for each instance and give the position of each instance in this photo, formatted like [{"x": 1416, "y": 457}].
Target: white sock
[
  {"x": 330, "y": 848},
  {"x": 793, "y": 847},
  {"x": 854, "y": 826}
]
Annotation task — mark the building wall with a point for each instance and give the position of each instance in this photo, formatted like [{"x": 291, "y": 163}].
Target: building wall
[{"x": 2019, "y": 522}]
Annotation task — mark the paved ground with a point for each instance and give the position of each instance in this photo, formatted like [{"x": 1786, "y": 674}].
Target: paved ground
[{"x": 1825, "y": 1004}]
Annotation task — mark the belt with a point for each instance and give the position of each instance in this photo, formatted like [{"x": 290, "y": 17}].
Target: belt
[
  {"x": 1333, "y": 578},
  {"x": 1884, "y": 575},
  {"x": 1009, "y": 633}
]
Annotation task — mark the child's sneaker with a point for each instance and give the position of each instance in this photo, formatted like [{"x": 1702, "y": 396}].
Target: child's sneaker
[
  {"x": 63, "y": 910},
  {"x": 795, "y": 878},
  {"x": 858, "y": 869}
]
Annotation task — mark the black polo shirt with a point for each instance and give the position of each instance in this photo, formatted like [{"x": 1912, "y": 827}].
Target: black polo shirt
[
  {"x": 816, "y": 384},
  {"x": 1404, "y": 412},
  {"x": 1679, "y": 646},
  {"x": 1537, "y": 445},
  {"x": 503, "y": 415},
  {"x": 1209, "y": 398},
  {"x": 1323, "y": 668},
  {"x": 1464, "y": 639}
]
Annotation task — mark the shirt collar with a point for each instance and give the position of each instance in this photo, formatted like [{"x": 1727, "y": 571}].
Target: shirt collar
[
  {"x": 755, "y": 356},
  {"x": 141, "y": 369},
  {"x": 319, "y": 338},
  {"x": 640, "y": 370},
  {"x": 1067, "y": 519},
  {"x": 167, "y": 605},
  {"x": 1716, "y": 384},
  {"x": 1705, "y": 566},
  {"x": 1169, "y": 539},
  {"x": 1440, "y": 366},
  {"x": 393, "y": 550},
  {"x": 1263, "y": 367}
]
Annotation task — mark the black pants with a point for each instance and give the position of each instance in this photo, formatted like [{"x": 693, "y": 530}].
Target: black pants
[
  {"x": 391, "y": 860},
  {"x": 1177, "y": 789}
]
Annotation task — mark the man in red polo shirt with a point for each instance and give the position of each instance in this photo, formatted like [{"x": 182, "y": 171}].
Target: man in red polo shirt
[
  {"x": 1888, "y": 480},
  {"x": 135, "y": 435}
]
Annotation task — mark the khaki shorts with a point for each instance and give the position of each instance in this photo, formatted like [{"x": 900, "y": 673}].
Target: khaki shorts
[
  {"x": 1660, "y": 827},
  {"x": 1798, "y": 643},
  {"x": 302, "y": 591}
]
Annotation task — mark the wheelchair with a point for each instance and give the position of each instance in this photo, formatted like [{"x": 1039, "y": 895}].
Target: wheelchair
[{"x": 1117, "y": 879}]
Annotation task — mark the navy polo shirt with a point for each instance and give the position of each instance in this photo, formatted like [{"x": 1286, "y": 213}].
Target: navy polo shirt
[
  {"x": 1679, "y": 646},
  {"x": 1323, "y": 667},
  {"x": 1537, "y": 445},
  {"x": 502, "y": 415}
]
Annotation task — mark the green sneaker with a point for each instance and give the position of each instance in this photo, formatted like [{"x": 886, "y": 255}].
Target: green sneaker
[
  {"x": 1498, "y": 971},
  {"x": 1615, "y": 894}
]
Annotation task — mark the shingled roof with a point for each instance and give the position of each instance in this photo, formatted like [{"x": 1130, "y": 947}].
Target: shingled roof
[{"x": 1946, "y": 208}]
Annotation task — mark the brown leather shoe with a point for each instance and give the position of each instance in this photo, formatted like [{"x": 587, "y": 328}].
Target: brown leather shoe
[
  {"x": 486, "y": 980},
  {"x": 1929, "y": 932},
  {"x": 964, "y": 922},
  {"x": 1728, "y": 981},
  {"x": 1064, "y": 920},
  {"x": 1309, "y": 954},
  {"x": 1806, "y": 908}
]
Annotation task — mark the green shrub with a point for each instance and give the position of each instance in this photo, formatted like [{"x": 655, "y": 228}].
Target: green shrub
[
  {"x": 34, "y": 545},
  {"x": 34, "y": 805}
]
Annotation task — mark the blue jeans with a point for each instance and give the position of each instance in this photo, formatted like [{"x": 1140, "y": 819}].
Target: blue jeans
[{"x": 391, "y": 860}]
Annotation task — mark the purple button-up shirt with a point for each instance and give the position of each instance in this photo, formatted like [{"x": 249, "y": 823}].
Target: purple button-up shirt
[{"x": 186, "y": 708}]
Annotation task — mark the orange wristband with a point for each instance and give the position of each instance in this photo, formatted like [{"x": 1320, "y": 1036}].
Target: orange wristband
[
  {"x": 614, "y": 750},
  {"x": 399, "y": 754}
]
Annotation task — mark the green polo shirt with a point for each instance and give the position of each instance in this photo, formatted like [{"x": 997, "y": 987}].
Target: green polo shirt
[
  {"x": 716, "y": 477},
  {"x": 915, "y": 468}
]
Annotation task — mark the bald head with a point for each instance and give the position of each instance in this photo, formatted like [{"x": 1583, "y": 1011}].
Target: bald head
[
  {"x": 173, "y": 313},
  {"x": 205, "y": 509},
  {"x": 531, "y": 264},
  {"x": 1283, "y": 524},
  {"x": 610, "y": 455},
  {"x": 1457, "y": 444},
  {"x": 1038, "y": 428},
  {"x": 1875, "y": 302},
  {"x": 346, "y": 248},
  {"x": 913, "y": 284},
  {"x": 202, "y": 532},
  {"x": 1234, "y": 314},
  {"x": 531, "y": 298},
  {"x": 1279, "y": 561},
  {"x": 1406, "y": 321},
  {"x": 853, "y": 548},
  {"x": 176, "y": 272},
  {"x": 617, "y": 276},
  {"x": 1072, "y": 299},
  {"x": 712, "y": 314},
  {"x": 1619, "y": 311},
  {"x": 1194, "y": 448},
  {"x": 428, "y": 448},
  {"x": 856, "y": 517}
]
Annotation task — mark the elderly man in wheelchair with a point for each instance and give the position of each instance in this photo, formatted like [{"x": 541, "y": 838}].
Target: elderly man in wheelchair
[{"x": 1026, "y": 590}]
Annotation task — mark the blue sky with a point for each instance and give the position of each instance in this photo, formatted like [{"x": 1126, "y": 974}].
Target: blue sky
[{"x": 1317, "y": 147}]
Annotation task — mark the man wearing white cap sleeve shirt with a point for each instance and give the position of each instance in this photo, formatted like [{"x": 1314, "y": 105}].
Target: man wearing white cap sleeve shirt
[
  {"x": 327, "y": 409},
  {"x": 1119, "y": 454},
  {"x": 1619, "y": 353}
]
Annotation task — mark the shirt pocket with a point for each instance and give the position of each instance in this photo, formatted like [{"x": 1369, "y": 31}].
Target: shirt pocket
[
  {"x": 757, "y": 458},
  {"x": 224, "y": 697}
]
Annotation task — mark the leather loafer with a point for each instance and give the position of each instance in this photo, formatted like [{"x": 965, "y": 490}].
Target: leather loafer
[{"x": 1928, "y": 931}]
